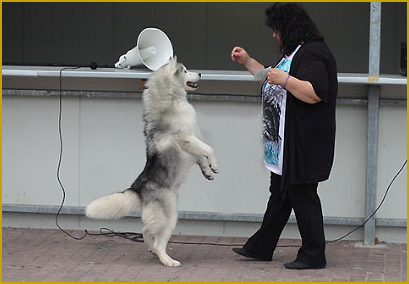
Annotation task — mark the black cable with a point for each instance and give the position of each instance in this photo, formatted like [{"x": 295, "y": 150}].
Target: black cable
[
  {"x": 137, "y": 237},
  {"x": 224, "y": 245},
  {"x": 110, "y": 233},
  {"x": 379, "y": 206},
  {"x": 61, "y": 152}
]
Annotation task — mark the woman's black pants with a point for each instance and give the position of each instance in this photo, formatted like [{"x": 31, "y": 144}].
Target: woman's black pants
[{"x": 303, "y": 198}]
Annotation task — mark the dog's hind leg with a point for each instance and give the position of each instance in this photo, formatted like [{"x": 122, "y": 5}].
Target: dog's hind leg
[
  {"x": 151, "y": 220},
  {"x": 161, "y": 242},
  {"x": 158, "y": 228},
  {"x": 163, "y": 236},
  {"x": 148, "y": 239}
]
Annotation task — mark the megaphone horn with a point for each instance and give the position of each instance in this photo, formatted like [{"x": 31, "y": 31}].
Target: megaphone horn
[
  {"x": 146, "y": 52},
  {"x": 153, "y": 49}
]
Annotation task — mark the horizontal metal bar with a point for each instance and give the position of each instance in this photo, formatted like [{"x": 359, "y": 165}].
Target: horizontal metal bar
[
  {"x": 193, "y": 97},
  {"x": 143, "y": 73},
  {"x": 203, "y": 216}
]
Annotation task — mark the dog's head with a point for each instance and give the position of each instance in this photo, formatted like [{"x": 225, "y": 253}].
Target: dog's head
[{"x": 180, "y": 74}]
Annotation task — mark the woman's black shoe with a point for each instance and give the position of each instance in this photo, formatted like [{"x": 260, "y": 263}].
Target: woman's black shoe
[
  {"x": 243, "y": 252},
  {"x": 296, "y": 264}
]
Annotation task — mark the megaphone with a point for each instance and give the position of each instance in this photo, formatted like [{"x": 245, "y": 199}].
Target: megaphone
[{"x": 153, "y": 49}]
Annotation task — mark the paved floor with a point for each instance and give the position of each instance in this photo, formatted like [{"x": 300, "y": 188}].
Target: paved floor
[{"x": 34, "y": 255}]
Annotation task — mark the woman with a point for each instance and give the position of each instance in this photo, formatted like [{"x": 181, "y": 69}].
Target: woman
[{"x": 299, "y": 97}]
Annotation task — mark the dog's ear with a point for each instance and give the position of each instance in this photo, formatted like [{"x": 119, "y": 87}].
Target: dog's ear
[
  {"x": 174, "y": 65},
  {"x": 173, "y": 61},
  {"x": 178, "y": 69}
]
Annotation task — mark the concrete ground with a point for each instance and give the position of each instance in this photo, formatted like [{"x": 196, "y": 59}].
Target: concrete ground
[{"x": 35, "y": 255}]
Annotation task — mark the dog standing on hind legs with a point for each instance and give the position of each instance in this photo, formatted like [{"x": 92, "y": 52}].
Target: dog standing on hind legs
[{"x": 172, "y": 147}]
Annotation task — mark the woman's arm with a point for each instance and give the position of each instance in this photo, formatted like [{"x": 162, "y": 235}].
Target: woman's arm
[
  {"x": 253, "y": 66},
  {"x": 302, "y": 90},
  {"x": 240, "y": 55}
]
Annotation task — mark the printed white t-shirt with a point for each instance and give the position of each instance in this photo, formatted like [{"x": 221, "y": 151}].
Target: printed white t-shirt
[{"x": 274, "y": 99}]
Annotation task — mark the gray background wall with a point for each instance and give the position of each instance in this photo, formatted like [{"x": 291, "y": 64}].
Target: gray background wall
[{"x": 202, "y": 34}]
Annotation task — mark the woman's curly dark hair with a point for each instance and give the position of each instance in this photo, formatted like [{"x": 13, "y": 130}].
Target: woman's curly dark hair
[{"x": 293, "y": 25}]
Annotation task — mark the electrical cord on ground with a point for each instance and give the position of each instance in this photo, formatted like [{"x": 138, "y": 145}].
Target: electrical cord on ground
[
  {"x": 377, "y": 208},
  {"x": 137, "y": 237}
]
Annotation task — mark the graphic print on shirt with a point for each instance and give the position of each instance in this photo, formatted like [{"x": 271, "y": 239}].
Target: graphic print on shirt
[
  {"x": 273, "y": 97},
  {"x": 274, "y": 102}
]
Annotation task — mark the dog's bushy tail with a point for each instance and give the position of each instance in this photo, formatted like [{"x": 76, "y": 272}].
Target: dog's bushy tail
[{"x": 113, "y": 206}]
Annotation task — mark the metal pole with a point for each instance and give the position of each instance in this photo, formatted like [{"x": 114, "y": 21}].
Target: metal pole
[
  {"x": 373, "y": 118},
  {"x": 371, "y": 164},
  {"x": 374, "y": 41}
]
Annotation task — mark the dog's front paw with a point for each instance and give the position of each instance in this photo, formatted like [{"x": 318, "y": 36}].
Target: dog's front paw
[
  {"x": 214, "y": 169},
  {"x": 208, "y": 175}
]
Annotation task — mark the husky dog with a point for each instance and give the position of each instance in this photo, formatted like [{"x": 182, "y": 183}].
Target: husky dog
[{"x": 172, "y": 146}]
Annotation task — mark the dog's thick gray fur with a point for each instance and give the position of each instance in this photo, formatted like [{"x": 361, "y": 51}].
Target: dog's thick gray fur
[{"x": 172, "y": 146}]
